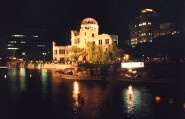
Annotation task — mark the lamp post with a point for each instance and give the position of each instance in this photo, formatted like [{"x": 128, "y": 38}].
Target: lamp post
[{"x": 44, "y": 54}]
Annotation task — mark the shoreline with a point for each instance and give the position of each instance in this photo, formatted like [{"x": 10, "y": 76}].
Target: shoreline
[{"x": 147, "y": 80}]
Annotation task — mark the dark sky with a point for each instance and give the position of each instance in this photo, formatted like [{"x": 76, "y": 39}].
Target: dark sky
[{"x": 58, "y": 17}]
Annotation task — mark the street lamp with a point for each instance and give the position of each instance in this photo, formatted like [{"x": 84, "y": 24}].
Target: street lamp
[{"x": 44, "y": 54}]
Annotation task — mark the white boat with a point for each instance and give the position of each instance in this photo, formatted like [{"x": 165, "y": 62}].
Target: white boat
[{"x": 81, "y": 74}]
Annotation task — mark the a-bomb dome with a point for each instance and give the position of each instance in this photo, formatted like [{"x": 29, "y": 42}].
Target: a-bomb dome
[{"x": 89, "y": 21}]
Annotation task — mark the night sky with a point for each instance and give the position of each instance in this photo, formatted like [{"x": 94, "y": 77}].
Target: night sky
[{"x": 58, "y": 17}]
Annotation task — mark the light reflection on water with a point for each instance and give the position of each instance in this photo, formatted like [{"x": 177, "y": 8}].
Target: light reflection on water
[
  {"x": 76, "y": 99},
  {"x": 44, "y": 81},
  {"x": 50, "y": 97},
  {"x": 76, "y": 95},
  {"x": 130, "y": 99},
  {"x": 138, "y": 103}
]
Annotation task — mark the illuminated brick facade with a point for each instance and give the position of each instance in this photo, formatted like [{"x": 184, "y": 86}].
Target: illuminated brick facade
[{"x": 89, "y": 32}]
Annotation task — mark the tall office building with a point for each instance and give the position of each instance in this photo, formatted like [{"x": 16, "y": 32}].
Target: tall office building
[
  {"x": 166, "y": 29},
  {"x": 23, "y": 43},
  {"x": 143, "y": 26}
]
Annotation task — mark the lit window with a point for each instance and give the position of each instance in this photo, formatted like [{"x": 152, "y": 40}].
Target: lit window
[
  {"x": 18, "y": 35},
  {"x": 41, "y": 45},
  {"x": 60, "y": 51},
  {"x": 134, "y": 39},
  {"x": 143, "y": 34},
  {"x": 149, "y": 23},
  {"x": 12, "y": 42},
  {"x": 100, "y": 42},
  {"x": 55, "y": 51},
  {"x": 10, "y": 45},
  {"x": 35, "y": 36},
  {"x": 63, "y": 51},
  {"x": 78, "y": 41},
  {"x": 133, "y": 43},
  {"x": 23, "y": 42},
  {"x": 12, "y": 48},
  {"x": 106, "y": 41}
]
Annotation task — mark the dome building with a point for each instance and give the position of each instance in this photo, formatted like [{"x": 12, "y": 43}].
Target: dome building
[{"x": 89, "y": 32}]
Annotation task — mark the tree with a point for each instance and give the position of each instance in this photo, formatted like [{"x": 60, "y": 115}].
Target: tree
[
  {"x": 90, "y": 47},
  {"x": 96, "y": 54},
  {"x": 76, "y": 52},
  {"x": 97, "y": 57}
]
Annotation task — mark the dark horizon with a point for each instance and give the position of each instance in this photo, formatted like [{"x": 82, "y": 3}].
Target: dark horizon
[{"x": 58, "y": 17}]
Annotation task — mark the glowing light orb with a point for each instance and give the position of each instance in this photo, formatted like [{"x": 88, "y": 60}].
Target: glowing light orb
[{"x": 157, "y": 98}]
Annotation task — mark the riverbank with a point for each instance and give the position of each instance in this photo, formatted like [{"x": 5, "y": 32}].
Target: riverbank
[
  {"x": 153, "y": 71},
  {"x": 40, "y": 65},
  {"x": 147, "y": 80}
]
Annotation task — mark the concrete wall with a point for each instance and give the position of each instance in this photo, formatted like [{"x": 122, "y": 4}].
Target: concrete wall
[{"x": 43, "y": 65}]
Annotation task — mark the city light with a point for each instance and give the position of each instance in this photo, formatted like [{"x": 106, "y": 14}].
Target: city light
[
  {"x": 35, "y": 36},
  {"x": 157, "y": 98},
  {"x": 19, "y": 36},
  {"x": 147, "y": 10},
  {"x": 12, "y": 48},
  {"x": 23, "y": 42},
  {"x": 44, "y": 54},
  {"x": 132, "y": 65}
]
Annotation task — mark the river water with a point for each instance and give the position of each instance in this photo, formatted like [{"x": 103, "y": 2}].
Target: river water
[{"x": 42, "y": 94}]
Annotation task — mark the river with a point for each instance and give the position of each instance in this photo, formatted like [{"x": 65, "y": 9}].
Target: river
[{"x": 42, "y": 94}]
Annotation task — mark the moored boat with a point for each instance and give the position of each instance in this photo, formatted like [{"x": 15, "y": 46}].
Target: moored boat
[
  {"x": 76, "y": 77},
  {"x": 135, "y": 72},
  {"x": 81, "y": 74}
]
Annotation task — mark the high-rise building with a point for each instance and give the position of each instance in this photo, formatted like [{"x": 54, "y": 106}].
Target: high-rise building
[
  {"x": 166, "y": 29},
  {"x": 24, "y": 43},
  {"x": 143, "y": 26}
]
